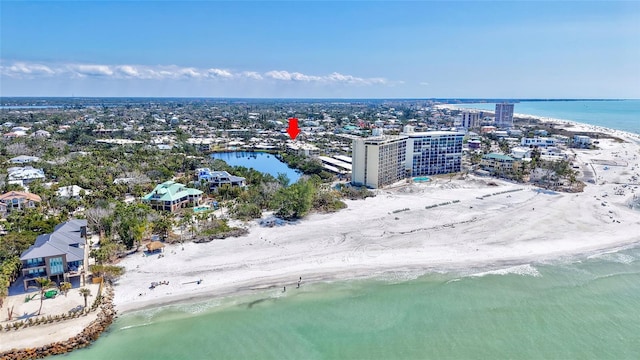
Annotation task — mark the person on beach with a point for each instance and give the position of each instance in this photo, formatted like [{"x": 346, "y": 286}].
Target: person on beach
[{"x": 284, "y": 289}]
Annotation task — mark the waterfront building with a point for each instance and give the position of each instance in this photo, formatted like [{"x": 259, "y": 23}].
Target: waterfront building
[
  {"x": 58, "y": 256},
  {"x": 504, "y": 115},
  {"x": 433, "y": 152},
  {"x": 581, "y": 141},
  {"x": 302, "y": 149},
  {"x": 171, "y": 196},
  {"x": 498, "y": 164},
  {"x": 538, "y": 141},
  {"x": 379, "y": 160},
  {"x": 382, "y": 160},
  {"x": 216, "y": 179}
]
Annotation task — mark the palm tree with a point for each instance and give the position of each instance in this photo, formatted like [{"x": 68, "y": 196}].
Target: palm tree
[
  {"x": 85, "y": 293},
  {"x": 65, "y": 287},
  {"x": 43, "y": 283}
]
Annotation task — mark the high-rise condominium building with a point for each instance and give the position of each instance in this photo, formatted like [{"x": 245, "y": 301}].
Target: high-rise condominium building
[
  {"x": 379, "y": 160},
  {"x": 470, "y": 119},
  {"x": 383, "y": 160},
  {"x": 504, "y": 115},
  {"x": 434, "y": 152}
]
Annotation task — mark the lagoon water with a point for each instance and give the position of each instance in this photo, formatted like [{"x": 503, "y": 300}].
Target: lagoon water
[
  {"x": 615, "y": 114},
  {"x": 574, "y": 308},
  {"x": 263, "y": 162},
  {"x": 577, "y": 309}
]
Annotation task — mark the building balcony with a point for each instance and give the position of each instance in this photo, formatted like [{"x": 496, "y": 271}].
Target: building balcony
[{"x": 33, "y": 265}]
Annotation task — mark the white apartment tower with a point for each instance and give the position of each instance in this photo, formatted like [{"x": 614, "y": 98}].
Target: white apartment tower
[
  {"x": 384, "y": 160},
  {"x": 504, "y": 115},
  {"x": 433, "y": 152},
  {"x": 470, "y": 119},
  {"x": 379, "y": 160}
]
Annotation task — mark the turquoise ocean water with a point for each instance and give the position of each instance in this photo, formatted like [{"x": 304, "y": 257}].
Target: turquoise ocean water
[
  {"x": 618, "y": 114},
  {"x": 574, "y": 308},
  {"x": 579, "y": 309}
]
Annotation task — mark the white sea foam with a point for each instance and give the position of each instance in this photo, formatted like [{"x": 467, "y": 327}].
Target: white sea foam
[
  {"x": 614, "y": 257},
  {"x": 524, "y": 270},
  {"x": 135, "y": 326},
  {"x": 198, "y": 307}
]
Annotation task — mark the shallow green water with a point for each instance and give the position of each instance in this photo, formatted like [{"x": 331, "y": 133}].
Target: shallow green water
[{"x": 587, "y": 309}]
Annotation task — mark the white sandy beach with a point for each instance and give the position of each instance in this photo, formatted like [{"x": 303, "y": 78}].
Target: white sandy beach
[{"x": 368, "y": 239}]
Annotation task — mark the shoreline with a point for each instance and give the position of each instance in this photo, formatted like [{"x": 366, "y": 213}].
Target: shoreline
[
  {"x": 572, "y": 124},
  {"x": 380, "y": 274}
]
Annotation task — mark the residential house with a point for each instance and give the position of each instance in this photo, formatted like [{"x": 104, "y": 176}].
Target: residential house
[
  {"x": 19, "y": 200},
  {"x": 24, "y": 159},
  {"x": 171, "y": 196},
  {"x": 72, "y": 192},
  {"x": 581, "y": 141},
  {"x": 58, "y": 256},
  {"x": 24, "y": 175},
  {"x": 41, "y": 134},
  {"x": 216, "y": 179}
]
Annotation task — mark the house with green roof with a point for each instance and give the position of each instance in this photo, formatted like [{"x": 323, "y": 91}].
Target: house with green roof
[
  {"x": 171, "y": 196},
  {"x": 499, "y": 164}
]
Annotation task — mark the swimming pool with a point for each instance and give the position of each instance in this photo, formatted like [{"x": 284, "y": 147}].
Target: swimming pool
[
  {"x": 421, "y": 179},
  {"x": 201, "y": 208}
]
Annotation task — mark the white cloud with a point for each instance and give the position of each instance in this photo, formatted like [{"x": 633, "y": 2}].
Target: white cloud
[
  {"x": 26, "y": 69},
  {"x": 219, "y": 73},
  {"x": 252, "y": 75},
  {"x": 82, "y": 70},
  {"x": 159, "y": 72}
]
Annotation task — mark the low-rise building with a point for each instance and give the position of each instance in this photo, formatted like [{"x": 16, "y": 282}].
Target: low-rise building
[
  {"x": 538, "y": 141},
  {"x": 171, "y": 196},
  {"x": 24, "y": 175},
  {"x": 24, "y": 159},
  {"x": 72, "y": 192},
  {"x": 498, "y": 164},
  {"x": 302, "y": 149},
  {"x": 581, "y": 141},
  {"x": 216, "y": 179}
]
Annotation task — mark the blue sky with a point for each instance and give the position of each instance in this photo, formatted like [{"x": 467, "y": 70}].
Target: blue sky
[{"x": 357, "y": 49}]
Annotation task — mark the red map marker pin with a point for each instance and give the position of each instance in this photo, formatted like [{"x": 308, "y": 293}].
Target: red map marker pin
[{"x": 293, "y": 129}]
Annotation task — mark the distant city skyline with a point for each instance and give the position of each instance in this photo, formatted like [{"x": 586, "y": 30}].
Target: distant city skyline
[{"x": 308, "y": 49}]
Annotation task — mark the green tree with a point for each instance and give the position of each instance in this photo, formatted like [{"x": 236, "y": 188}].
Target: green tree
[
  {"x": 43, "y": 284},
  {"x": 295, "y": 201},
  {"x": 65, "y": 287},
  {"x": 163, "y": 225},
  {"x": 85, "y": 293}
]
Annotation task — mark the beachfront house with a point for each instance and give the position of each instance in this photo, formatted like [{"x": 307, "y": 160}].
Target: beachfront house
[
  {"x": 538, "y": 141},
  {"x": 581, "y": 141},
  {"x": 216, "y": 179},
  {"x": 171, "y": 196},
  {"x": 19, "y": 201},
  {"x": 58, "y": 256},
  {"x": 499, "y": 164}
]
